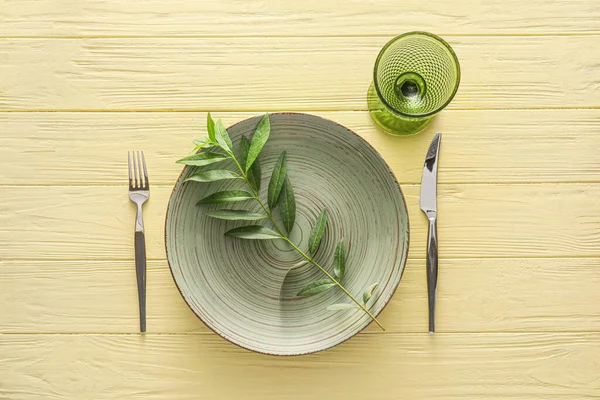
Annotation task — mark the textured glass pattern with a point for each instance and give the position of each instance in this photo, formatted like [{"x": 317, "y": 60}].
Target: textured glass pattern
[{"x": 416, "y": 75}]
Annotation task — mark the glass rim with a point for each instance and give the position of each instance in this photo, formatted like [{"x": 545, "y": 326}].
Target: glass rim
[{"x": 392, "y": 41}]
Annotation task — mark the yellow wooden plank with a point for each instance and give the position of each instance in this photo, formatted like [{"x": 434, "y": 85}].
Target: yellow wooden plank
[
  {"x": 413, "y": 366},
  {"x": 478, "y": 147},
  {"x": 475, "y": 295},
  {"x": 310, "y": 17},
  {"x": 292, "y": 73},
  {"x": 48, "y": 222}
]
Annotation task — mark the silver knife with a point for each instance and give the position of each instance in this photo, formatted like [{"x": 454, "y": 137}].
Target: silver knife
[{"x": 429, "y": 207}]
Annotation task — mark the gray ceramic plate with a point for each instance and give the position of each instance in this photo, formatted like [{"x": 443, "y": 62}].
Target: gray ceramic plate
[{"x": 237, "y": 287}]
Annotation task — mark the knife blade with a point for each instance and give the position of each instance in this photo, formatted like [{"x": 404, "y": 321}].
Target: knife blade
[{"x": 429, "y": 207}]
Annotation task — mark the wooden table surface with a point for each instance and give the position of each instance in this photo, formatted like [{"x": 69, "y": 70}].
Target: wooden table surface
[{"x": 82, "y": 82}]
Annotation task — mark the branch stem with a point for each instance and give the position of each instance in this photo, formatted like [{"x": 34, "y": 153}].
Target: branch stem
[
  {"x": 287, "y": 239},
  {"x": 313, "y": 262}
]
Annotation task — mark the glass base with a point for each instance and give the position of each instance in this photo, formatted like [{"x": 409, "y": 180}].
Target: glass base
[{"x": 393, "y": 123}]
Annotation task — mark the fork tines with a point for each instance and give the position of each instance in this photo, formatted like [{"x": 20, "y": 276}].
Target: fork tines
[{"x": 136, "y": 180}]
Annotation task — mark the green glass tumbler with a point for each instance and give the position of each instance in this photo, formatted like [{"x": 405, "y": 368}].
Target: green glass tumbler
[{"x": 416, "y": 75}]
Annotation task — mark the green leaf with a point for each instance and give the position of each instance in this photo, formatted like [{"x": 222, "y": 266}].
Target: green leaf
[
  {"x": 222, "y": 136},
  {"x": 226, "y": 196},
  {"x": 316, "y": 233},
  {"x": 202, "y": 159},
  {"x": 299, "y": 264},
  {"x": 253, "y": 232},
  {"x": 235, "y": 215},
  {"x": 244, "y": 146},
  {"x": 339, "y": 260},
  {"x": 260, "y": 137},
  {"x": 254, "y": 173},
  {"x": 201, "y": 143},
  {"x": 342, "y": 306},
  {"x": 210, "y": 127},
  {"x": 369, "y": 292},
  {"x": 287, "y": 205},
  {"x": 213, "y": 175},
  {"x": 276, "y": 182},
  {"x": 316, "y": 287}
]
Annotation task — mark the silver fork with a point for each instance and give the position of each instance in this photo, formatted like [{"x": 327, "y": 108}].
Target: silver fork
[{"x": 139, "y": 191}]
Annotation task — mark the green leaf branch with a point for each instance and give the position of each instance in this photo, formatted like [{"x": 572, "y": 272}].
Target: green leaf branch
[{"x": 280, "y": 194}]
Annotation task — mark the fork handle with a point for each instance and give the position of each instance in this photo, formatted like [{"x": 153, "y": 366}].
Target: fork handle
[
  {"x": 140, "y": 271},
  {"x": 432, "y": 270}
]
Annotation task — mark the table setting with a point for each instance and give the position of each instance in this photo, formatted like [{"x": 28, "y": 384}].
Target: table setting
[
  {"x": 411, "y": 213},
  {"x": 228, "y": 293}
]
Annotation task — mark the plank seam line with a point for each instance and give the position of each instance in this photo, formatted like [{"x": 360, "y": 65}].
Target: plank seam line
[
  {"x": 405, "y": 184},
  {"x": 289, "y": 36},
  {"x": 518, "y": 257},
  {"x": 387, "y": 333},
  {"x": 252, "y": 110},
  {"x": 249, "y": 111},
  {"x": 110, "y": 260}
]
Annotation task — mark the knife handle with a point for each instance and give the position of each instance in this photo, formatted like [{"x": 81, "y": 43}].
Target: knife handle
[
  {"x": 140, "y": 271},
  {"x": 432, "y": 270}
]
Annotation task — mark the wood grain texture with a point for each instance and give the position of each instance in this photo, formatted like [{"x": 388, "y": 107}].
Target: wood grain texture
[
  {"x": 475, "y": 295},
  {"x": 28, "y": 18},
  {"x": 478, "y": 147},
  {"x": 519, "y": 188},
  {"x": 296, "y": 73},
  {"x": 508, "y": 221},
  {"x": 420, "y": 366}
]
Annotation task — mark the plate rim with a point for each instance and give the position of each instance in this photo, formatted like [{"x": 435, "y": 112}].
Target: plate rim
[{"x": 385, "y": 301}]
